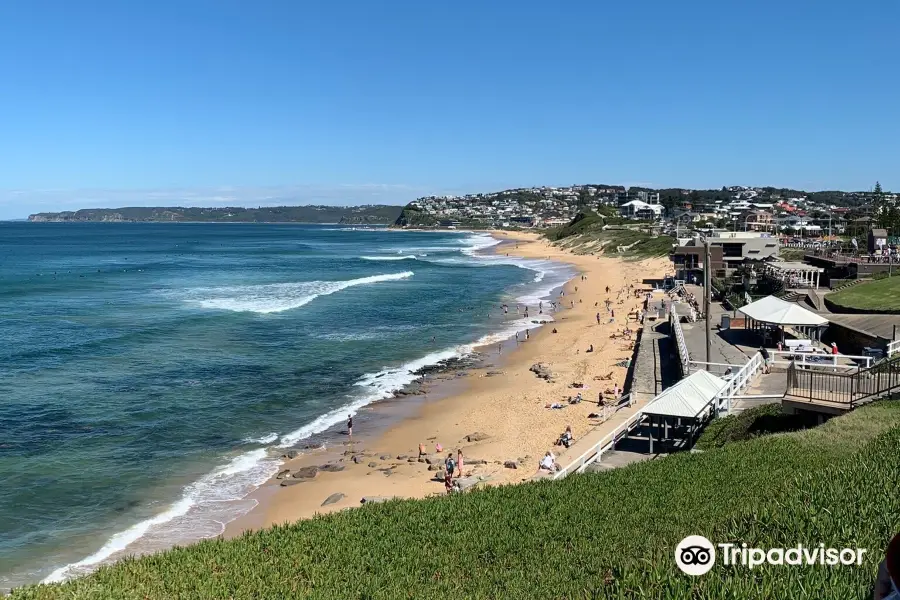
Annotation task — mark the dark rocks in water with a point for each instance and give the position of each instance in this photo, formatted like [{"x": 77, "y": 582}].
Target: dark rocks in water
[
  {"x": 450, "y": 364},
  {"x": 283, "y": 474},
  {"x": 476, "y": 437},
  {"x": 373, "y": 464},
  {"x": 332, "y": 468},
  {"x": 511, "y": 464},
  {"x": 290, "y": 454},
  {"x": 306, "y": 472},
  {"x": 336, "y": 497}
]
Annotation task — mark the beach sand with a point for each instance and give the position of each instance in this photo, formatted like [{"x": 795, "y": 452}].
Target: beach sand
[{"x": 509, "y": 407}]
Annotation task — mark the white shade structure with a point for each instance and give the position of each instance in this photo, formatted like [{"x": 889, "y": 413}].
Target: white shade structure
[
  {"x": 689, "y": 398},
  {"x": 776, "y": 311}
]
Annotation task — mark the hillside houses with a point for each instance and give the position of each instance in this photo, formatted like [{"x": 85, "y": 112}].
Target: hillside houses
[{"x": 735, "y": 208}]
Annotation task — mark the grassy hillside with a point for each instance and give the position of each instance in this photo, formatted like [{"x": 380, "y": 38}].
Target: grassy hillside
[
  {"x": 752, "y": 423},
  {"x": 609, "y": 535},
  {"x": 358, "y": 215},
  {"x": 881, "y": 296}
]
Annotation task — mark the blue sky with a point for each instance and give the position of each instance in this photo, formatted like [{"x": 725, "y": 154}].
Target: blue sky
[{"x": 111, "y": 103}]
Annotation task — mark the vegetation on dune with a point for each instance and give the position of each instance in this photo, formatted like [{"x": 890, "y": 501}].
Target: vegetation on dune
[
  {"x": 881, "y": 295},
  {"x": 362, "y": 215},
  {"x": 606, "y": 535},
  {"x": 587, "y": 233},
  {"x": 752, "y": 423}
]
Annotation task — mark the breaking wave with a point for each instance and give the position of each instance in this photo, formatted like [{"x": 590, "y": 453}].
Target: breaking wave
[{"x": 277, "y": 297}]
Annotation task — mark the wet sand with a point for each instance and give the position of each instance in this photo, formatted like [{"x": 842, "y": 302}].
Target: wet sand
[{"x": 505, "y": 402}]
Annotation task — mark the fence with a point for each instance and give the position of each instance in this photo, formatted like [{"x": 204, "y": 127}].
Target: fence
[
  {"x": 738, "y": 382},
  {"x": 893, "y": 348},
  {"x": 604, "y": 445},
  {"x": 683, "y": 355},
  {"x": 821, "y": 360},
  {"x": 841, "y": 388}
]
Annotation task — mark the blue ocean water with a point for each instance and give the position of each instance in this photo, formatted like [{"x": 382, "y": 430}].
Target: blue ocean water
[{"x": 151, "y": 374}]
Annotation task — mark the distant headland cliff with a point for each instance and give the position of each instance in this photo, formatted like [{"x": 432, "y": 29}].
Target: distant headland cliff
[{"x": 357, "y": 215}]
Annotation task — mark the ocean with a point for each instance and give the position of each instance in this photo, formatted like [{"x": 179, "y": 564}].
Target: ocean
[{"x": 151, "y": 375}]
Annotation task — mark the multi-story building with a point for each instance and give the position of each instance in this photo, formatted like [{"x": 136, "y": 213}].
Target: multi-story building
[{"x": 728, "y": 250}]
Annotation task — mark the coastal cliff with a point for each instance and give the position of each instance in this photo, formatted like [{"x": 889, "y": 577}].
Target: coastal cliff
[{"x": 351, "y": 215}]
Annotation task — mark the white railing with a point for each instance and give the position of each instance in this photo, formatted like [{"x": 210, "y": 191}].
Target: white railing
[
  {"x": 820, "y": 360},
  {"x": 721, "y": 402},
  {"x": 683, "y": 355},
  {"x": 738, "y": 382},
  {"x": 595, "y": 452},
  {"x": 893, "y": 348}
]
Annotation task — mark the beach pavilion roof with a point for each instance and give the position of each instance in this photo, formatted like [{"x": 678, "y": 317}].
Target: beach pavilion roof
[
  {"x": 688, "y": 398},
  {"x": 779, "y": 312}
]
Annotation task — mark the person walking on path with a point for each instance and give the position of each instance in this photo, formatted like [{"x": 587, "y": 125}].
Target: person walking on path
[{"x": 767, "y": 364}]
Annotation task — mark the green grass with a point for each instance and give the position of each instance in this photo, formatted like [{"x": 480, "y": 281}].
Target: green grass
[
  {"x": 882, "y": 295},
  {"x": 752, "y": 423},
  {"x": 608, "y": 535}
]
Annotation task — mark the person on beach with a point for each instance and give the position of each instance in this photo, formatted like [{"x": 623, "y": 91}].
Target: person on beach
[
  {"x": 607, "y": 289},
  {"x": 449, "y": 465},
  {"x": 438, "y": 447},
  {"x": 598, "y": 318},
  {"x": 526, "y": 335},
  {"x": 499, "y": 348},
  {"x": 548, "y": 463},
  {"x": 350, "y": 425},
  {"x": 421, "y": 450},
  {"x": 459, "y": 462},
  {"x": 448, "y": 482}
]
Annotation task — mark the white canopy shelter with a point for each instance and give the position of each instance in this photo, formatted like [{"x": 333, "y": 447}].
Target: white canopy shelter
[
  {"x": 687, "y": 399},
  {"x": 776, "y": 311}
]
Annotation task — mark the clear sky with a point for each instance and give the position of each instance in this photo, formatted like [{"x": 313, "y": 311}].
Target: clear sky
[{"x": 110, "y": 103}]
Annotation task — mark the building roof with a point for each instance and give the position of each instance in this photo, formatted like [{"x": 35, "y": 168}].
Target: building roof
[
  {"x": 688, "y": 398},
  {"x": 776, "y": 311}
]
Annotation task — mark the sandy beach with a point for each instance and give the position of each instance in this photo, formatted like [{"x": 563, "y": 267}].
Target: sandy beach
[{"x": 503, "y": 403}]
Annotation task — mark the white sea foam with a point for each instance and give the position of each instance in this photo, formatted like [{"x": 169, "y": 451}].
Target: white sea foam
[
  {"x": 378, "y": 386},
  {"x": 277, "y": 297},
  {"x": 266, "y": 439},
  {"x": 409, "y": 257},
  {"x": 219, "y": 490}
]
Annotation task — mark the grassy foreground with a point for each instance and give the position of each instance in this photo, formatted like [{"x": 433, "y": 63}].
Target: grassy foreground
[
  {"x": 609, "y": 535},
  {"x": 882, "y": 295}
]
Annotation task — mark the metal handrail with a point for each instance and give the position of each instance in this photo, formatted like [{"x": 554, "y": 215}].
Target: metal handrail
[
  {"x": 594, "y": 453},
  {"x": 681, "y": 344},
  {"x": 842, "y": 388},
  {"x": 831, "y": 363},
  {"x": 893, "y": 347}
]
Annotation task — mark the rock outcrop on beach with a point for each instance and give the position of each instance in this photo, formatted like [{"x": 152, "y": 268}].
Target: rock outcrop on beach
[
  {"x": 334, "y": 498},
  {"x": 542, "y": 371},
  {"x": 306, "y": 472}
]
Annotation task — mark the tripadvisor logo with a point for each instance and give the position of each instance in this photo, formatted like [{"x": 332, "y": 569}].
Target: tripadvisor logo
[{"x": 696, "y": 555}]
